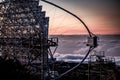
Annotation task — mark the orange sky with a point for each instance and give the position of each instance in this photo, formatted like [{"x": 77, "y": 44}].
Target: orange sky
[{"x": 101, "y": 16}]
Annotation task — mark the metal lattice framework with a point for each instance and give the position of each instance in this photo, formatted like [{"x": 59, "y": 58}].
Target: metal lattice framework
[{"x": 24, "y": 34}]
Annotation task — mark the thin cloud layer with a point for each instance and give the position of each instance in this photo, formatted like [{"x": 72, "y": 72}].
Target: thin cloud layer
[{"x": 74, "y": 49}]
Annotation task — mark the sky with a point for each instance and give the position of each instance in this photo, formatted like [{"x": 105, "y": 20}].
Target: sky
[{"x": 101, "y": 16}]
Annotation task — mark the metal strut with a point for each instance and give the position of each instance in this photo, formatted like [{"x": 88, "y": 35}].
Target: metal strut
[{"x": 92, "y": 39}]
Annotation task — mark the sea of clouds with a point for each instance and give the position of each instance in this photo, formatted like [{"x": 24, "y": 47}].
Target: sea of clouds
[{"x": 73, "y": 47}]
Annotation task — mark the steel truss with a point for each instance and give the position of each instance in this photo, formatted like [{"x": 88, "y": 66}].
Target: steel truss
[{"x": 24, "y": 34}]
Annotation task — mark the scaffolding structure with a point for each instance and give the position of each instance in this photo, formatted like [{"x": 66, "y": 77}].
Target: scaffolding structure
[
  {"x": 24, "y": 34},
  {"x": 24, "y": 37},
  {"x": 100, "y": 67}
]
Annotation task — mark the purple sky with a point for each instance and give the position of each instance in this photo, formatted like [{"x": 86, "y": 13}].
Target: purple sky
[{"x": 102, "y": 16}]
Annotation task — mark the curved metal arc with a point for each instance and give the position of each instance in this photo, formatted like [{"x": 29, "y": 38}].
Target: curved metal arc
[
  {"x": 90, "y": 34},
  {"x": 90, "y": 49},
  {"x": 70, "y": 14}
]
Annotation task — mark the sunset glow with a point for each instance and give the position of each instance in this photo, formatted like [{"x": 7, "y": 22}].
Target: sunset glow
[{"x": 102, "y": 17}]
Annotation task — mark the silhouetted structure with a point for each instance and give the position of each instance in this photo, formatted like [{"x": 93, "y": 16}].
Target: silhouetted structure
[
  {"x": 24, "y": 45},
  {"x": 24, "y": 34},
  {"x": 98, "y": 67},
  {"x": 14, "y": 70}
]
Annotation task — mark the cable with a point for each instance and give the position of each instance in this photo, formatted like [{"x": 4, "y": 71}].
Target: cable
[
  {"x": 90, "y": 49},
  {"x": 70, "y": 14},
  {"x": 90, "y": 34}
]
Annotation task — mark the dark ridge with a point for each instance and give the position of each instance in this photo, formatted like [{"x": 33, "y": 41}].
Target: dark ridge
[
  {"x": 13, "y": 70},
  {"x": 81, "y": 73}
]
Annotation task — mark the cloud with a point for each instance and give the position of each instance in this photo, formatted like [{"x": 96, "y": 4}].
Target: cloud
[
  {"x": 81, "y": 50},
  {"x": 74, "y": 48},
  {"x": 69, "y": 57},
  {"x": 115, "y": 50},
  {"x": 117, "y": 60},
  {"x": 79, "y": 57},
  {"x": 72, "y": 57}
]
